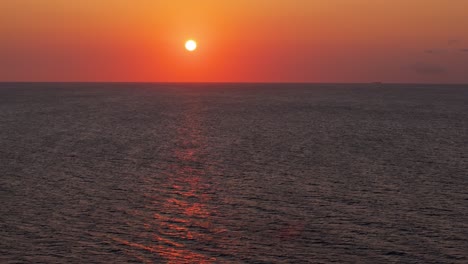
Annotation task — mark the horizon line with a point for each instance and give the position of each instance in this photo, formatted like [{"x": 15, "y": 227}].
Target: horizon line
[{"x": 229, "y": 82}]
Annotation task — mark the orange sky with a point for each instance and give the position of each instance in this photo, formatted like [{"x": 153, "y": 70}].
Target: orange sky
[{"x": 239, "y": 41}]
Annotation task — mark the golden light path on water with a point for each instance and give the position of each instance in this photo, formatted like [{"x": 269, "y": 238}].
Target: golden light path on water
[{"x": 183, "y": 217}]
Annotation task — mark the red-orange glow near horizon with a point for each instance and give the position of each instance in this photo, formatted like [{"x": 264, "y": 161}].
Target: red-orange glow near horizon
[{"x": 243, "y": 41}]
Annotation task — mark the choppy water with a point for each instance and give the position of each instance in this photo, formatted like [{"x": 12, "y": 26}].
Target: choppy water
[{"x": 159, "y": 173}]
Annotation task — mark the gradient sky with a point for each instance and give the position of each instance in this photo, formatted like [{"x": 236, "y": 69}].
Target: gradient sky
[{"x": 239, "y": 41}]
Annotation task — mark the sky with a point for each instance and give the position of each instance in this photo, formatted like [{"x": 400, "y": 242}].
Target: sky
[{"x": 399, "y": 41}]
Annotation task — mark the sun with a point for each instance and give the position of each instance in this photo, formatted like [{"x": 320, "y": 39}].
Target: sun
[{"x": 190, "y": 45}]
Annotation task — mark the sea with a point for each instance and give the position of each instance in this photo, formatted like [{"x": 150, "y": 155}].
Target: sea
[{"x": 233, "y": 173}]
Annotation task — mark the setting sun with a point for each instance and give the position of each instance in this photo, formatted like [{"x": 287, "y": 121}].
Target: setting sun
[{"x": 191, "y": 45}]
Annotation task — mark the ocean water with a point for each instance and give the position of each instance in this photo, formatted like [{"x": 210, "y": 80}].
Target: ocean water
[{"x": 233, "y": 173}]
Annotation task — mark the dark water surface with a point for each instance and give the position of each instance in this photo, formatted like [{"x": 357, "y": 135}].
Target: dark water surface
[{"x": 238, "y": 173}]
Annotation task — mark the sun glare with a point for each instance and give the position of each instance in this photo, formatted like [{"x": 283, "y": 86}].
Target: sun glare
[{"x": 191, "y": 45}]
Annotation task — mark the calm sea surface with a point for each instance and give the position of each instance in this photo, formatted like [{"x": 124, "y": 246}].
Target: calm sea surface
[{"x": 233, "y": 173}]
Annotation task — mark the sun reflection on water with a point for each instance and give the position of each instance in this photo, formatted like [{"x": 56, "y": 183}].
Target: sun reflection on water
[
  {"x": 181, "y": 229},
  {"x": 186, "y": 216}
]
